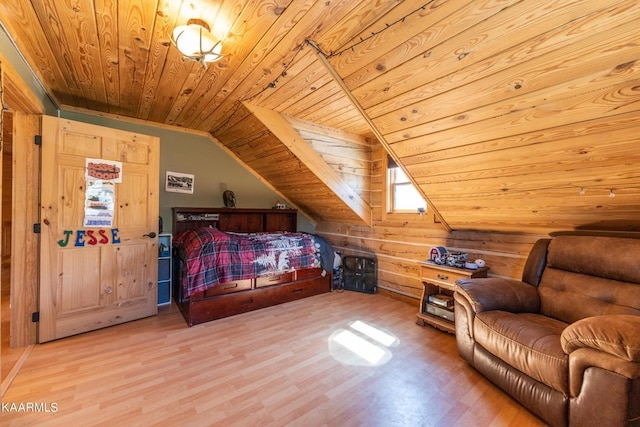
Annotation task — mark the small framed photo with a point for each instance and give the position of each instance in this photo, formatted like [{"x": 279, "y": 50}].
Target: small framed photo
[{"x": 177, "y": 182}]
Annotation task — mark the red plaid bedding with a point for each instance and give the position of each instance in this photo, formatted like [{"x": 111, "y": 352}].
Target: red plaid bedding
[{"x": 212, "y": 257}]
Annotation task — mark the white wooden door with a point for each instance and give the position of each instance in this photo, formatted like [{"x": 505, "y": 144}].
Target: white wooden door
[{"x": 96, "y": 275}]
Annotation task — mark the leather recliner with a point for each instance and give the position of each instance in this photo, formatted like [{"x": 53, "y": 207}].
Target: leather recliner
[{"x": 565, "y": 340}]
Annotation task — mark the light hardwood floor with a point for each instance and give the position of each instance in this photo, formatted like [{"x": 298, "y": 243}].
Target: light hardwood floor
[{"x": 280, "y": 366}]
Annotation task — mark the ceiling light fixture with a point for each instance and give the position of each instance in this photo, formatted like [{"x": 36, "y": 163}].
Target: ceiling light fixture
[{"x": 196, "y": 43}]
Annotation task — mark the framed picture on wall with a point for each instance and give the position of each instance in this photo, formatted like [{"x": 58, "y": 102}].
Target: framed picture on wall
[{"x": 177, "y": 182}]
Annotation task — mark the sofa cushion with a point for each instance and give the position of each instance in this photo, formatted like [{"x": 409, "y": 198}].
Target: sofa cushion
[
  {"x": 570, "y": 296},
  {"x": 607, "y": 257},
  {"x": 618, "y": 335},
  {"x": 527, "y": 341},
  {"x": 587, "y": 276}
]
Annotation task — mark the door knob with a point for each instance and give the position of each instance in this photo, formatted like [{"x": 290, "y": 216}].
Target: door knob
[{"x": 152, "y": 235}]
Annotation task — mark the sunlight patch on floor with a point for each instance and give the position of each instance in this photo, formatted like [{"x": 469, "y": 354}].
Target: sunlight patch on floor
[{"x": 362, "y": 345}]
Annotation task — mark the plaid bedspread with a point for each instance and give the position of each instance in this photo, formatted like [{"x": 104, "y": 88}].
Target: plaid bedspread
[{"x": 212, "y": 257}]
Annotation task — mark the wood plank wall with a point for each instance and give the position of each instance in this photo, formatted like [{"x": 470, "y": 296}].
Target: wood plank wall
[
  {"x": 347, "y": 153},
  {"x": 399, "y": 241},
  {"x": 318, "y": 192}
]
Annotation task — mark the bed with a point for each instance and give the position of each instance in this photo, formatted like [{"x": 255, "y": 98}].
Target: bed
[{"x": 231, "y": 261}]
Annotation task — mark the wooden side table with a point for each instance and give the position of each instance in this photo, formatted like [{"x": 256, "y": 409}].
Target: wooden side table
[{"x": 440, "y": 280}]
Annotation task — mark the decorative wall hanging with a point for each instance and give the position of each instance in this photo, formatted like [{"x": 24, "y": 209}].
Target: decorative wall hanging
[
  {"x": 179, "y": 182},
  {"x": 81, "y": 238},
  {"x": 100, "y": 179}
]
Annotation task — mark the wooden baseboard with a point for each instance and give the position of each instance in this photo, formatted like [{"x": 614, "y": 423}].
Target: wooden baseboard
[
  {"x": 6, "y": 382},
  {"x": 400, "y": 297}
]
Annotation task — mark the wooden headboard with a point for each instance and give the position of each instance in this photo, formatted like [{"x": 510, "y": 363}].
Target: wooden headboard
[{"x": 234, "y": 219}]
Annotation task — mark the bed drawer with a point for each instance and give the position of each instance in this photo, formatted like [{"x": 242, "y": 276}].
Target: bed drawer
[
  {"x": 274, "y": 280},
  {"x": 228, "y": 288},
  {"x": 203, "y": 310},
  {"x": 308, "y": 273}
]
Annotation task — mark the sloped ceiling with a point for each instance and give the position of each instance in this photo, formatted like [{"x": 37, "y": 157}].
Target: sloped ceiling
[
  {"x": 265, "y": 139},
  {"x": 508, "y": 115}
]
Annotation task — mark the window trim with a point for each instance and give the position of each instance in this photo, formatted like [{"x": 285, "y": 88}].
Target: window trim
[{"x": 390, "y": 187}]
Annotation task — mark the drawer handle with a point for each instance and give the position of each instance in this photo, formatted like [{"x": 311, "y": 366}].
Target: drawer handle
[
  {"x": 296, "y": 291},
  {"x": 443, "y": 277},
  {"x": 274, "y": 278},
  {"x": 231, "y": 286}
]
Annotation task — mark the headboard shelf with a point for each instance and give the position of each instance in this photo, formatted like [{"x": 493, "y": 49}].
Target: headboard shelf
[{"x": 235, "y": 219}]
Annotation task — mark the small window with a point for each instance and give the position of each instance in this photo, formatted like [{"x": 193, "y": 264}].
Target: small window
[{"x": 403, "y": 196}]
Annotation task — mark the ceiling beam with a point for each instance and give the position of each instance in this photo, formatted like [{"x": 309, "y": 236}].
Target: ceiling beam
[
  {"x": 338, "y": 79},
  {"x": 283, "y": 130}
]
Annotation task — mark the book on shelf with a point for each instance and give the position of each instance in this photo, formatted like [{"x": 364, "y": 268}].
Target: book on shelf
[{"x": 441, "y": 300}]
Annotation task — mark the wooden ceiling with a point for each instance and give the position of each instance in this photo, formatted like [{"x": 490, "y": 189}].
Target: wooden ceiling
[{"x": 502, "y": 111}]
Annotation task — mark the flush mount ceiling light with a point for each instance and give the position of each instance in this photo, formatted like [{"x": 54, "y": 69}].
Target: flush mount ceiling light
[{"x": 196, "y": 43}]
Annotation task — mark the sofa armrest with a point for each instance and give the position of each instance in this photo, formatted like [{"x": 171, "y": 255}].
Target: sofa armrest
[
  {"x": 615, "y": 334},
  {"x": 496, "y": 293}
]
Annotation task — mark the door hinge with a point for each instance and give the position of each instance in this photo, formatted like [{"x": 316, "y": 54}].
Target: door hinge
[
  {"x": 35, "y": 316},
  {"x": 37, "y": 139},
  {"x": 36, "y": 228}
]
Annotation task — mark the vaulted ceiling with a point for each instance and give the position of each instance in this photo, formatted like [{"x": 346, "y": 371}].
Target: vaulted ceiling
[{"x": 509, "y": 115}]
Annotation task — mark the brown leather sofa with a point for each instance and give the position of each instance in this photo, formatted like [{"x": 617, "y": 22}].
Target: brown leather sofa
[{"x": 565, "y": 340}]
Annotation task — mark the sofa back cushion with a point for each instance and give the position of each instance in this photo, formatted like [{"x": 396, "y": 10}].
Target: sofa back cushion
[
  {"x": 536, "y": 261},
  {"x": 589, "y": 276}
]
